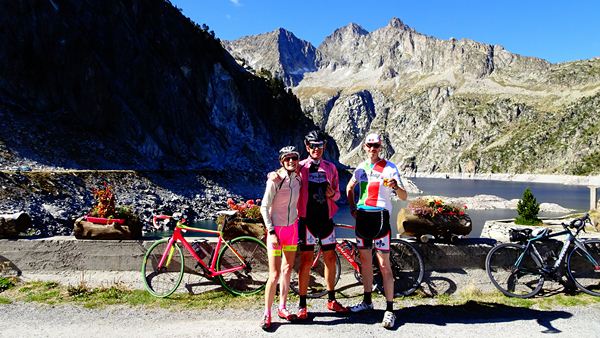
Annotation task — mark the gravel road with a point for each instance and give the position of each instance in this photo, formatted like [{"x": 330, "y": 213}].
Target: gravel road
[{"x": 469, "y": 320}]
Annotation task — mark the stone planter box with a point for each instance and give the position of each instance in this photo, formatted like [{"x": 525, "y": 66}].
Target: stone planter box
[
  {"x": 444, "y": 227},
  {"x": 11, "y": 225},
  {"x": 103, "y": 228},
  {"x": 243, "y": 227}
]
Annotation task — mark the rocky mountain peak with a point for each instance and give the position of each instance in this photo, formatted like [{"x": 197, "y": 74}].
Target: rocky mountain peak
[
  {"x": 351, "y": 31},
  {"x": 397, "y": 23}
]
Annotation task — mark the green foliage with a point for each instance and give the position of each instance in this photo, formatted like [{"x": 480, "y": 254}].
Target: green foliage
[
  {"x": 528, "y": 209},
  {"x": 588, "y": 165},
  {"x": 6, "y": 283}
]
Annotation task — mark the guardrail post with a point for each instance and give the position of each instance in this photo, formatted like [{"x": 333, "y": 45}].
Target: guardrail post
[{"x": 592, "y": 197}]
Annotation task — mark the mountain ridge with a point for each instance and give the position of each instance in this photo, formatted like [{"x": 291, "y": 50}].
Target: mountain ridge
[{"x": 443, "y": 92}]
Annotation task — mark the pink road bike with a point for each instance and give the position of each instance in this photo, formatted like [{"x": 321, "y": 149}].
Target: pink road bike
[
  {"x": 405, "y": 259},
  {"x": 240, "y": 265}
]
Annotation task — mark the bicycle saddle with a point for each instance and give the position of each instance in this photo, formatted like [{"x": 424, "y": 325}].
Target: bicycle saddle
[{"x": 542, "y": 232}]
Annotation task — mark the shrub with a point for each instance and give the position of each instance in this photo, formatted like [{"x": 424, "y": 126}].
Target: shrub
[
  {"x": 528, "y": 209},
  {"x": 6, "y": 283}
]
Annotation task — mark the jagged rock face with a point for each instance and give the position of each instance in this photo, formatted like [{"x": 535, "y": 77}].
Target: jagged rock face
[
  {"x": 453, "y": 105},
  {"x": 280, "y": 52},
  {"x": 131, "y": 84}
]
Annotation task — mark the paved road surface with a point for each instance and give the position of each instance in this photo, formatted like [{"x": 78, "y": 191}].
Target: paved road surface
[{"x": 470, "y": 320}]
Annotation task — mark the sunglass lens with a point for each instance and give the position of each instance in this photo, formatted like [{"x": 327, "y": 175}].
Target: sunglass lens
[
  {"x": 373, "y": 145},
  {"x": 293, "y": 158}
]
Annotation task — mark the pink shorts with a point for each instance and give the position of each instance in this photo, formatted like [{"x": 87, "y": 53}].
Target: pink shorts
[{"x": 288, "y": 239}]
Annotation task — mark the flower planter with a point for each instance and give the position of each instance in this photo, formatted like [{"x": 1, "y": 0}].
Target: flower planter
[
  {"x": 243, "y": 227},
  {"x": 105, "y": 228},
  {"x": 100, "y": 220},
  {"x": 441, "y": 226}
]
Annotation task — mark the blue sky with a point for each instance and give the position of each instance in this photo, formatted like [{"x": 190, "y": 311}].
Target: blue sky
[{"x": 554, "y": 30}]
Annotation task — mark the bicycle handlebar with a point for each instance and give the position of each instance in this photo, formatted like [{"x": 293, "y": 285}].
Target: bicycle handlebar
[{"x": 578, "y": 223}]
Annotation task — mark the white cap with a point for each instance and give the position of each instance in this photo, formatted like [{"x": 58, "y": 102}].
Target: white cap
[{"x": 373, "y": 138}]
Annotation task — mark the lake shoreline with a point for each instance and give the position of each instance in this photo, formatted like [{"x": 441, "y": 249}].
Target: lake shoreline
[{"x": 534, "y": 178}]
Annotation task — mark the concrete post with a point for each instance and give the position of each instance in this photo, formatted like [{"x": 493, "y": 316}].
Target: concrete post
[{"x": 592, "y": 196}]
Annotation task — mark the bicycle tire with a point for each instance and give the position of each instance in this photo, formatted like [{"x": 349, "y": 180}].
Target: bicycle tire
[
  {"x": 524, "y": 282},
  {"x": 317, "y": 284},
  {"x": 582, "y": 271},
  {"x": 253, "y": 278},
  {"x": 164, "y": 281},
  {"x": 407, "y": 268}
]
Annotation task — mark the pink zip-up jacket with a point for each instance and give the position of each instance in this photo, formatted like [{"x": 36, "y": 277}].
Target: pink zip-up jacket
[{"x": 332, "y": 177}]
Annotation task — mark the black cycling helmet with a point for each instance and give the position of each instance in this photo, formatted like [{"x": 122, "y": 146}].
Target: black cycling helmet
[
  {"x": 287, "y": 151},
  {"x": 315, "y": 137}
]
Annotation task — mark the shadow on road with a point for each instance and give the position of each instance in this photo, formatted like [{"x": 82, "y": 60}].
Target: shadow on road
[
  {"x": 469, "y": 313},
  {"x": 477, "y": 312}
]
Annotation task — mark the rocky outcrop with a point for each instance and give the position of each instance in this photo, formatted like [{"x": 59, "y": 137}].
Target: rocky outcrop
[
  {"x": 453, "y": 105},
  {"x": 131, "y": 84},
  {"x": 280, "y": 52}
]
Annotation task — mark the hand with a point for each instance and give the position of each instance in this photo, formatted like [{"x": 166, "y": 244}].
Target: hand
[
  {"x": 392, "y": 183},
  {"x": 329, "y": 193},
  {"x": 274, "y": 239}
]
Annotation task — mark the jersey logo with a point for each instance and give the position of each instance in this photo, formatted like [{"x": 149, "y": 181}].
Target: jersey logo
[{"x": 318, "y": 177}]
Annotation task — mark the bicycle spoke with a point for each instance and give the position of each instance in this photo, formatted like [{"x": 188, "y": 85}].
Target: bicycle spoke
[
  {"x": 253, "y": 277},
  {"x": 583, "y": 267},
  {"x": 520, "y": 281},
  {"x": 163, "y": 281}
]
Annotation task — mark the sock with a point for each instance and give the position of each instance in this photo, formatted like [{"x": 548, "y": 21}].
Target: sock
[
  {"x": 389, "y": 306},
  {"x": 367, "y": 298},
  {"x": 268, "y": 313},
  {"x": 302, "y": 301},
  {"x": 331, "y": 295}
]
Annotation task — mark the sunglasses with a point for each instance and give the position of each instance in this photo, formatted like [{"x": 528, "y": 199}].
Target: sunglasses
[
  {"x": 293, "y": 158},
  {"x": 315, "y": 146},
  {"x": 373, "y": 145}
]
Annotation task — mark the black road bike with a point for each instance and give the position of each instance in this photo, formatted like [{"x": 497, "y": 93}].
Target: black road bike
[{"x": 520, "y": 269}]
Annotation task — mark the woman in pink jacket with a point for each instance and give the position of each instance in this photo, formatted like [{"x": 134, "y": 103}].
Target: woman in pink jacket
[{"x": 280, "y": 215}]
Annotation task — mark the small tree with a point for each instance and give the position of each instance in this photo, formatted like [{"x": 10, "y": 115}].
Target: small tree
[{"x": 528, "y": 209}]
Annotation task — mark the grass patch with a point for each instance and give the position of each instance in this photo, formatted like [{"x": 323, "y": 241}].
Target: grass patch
[
  {"x": 53, "y": 293},
  {"x": 6, "y": 283}
]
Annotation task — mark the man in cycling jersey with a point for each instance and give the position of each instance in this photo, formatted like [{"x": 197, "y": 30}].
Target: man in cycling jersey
[
  {"x": 316, "y": 207},
  {"x": 377, "y": 179}
]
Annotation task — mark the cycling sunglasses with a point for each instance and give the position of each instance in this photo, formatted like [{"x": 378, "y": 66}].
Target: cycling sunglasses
[{"x": 373, "y": 145}]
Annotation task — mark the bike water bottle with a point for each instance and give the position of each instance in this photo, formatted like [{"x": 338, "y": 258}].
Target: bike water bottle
[
  {"x": 201, "y": 247},
  {"x": 347, "y": 247}
]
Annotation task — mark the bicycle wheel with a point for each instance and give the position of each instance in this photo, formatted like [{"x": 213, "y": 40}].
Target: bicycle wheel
[
  {"x": 582, "y": 270},
  {"x": 317, "y": 284},
  {"x": 163, "y": 281},
  {"x": 407, "y": 268},
  {"x": 523, "y": 280},
  {"x": 253, "y": 277}
]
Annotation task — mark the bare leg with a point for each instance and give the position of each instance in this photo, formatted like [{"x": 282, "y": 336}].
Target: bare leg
[
  {"x": 286, "y": 273},
  {"x": 306, "y": 260},
  {"x": 386, "y": 274},
  {"x": 274, "y": 268},
  {"x": 366, "y": 268},
  {"x": 329, "y": 258}
]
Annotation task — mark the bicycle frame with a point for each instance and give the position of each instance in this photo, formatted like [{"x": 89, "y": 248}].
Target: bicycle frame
[
  {"x": 177, "y": 236},
  {"x": 566, "y": 243},
  {"x": 341, "y": 250}
]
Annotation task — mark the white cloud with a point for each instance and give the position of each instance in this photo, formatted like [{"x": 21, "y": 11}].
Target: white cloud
[{"x": 235, "y": 2}]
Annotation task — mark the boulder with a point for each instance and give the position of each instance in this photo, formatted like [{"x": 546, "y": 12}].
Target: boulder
[
  {"x": 88, "y": 230},
  {"x": 441, "y": 226},
  {"x": 11, "y": 225},
  {"x": 240, "y": 227}
]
